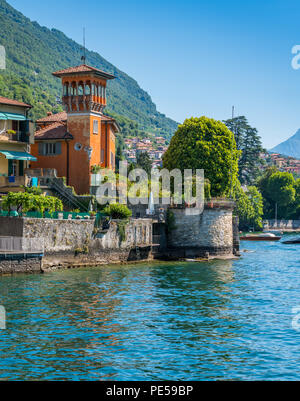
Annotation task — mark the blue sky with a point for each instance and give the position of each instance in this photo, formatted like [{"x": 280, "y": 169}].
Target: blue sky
[{"x": 195, "y": 57}]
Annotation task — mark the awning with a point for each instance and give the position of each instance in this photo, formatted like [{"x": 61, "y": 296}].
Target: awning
[
  {"x": 12, "y": 155},
  {"x": 12, "y": 116}
]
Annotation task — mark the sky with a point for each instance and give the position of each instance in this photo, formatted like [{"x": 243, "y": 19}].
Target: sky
[{"x": 195, "y": 57}]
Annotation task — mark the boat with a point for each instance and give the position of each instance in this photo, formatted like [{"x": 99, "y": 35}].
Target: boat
[
  {"x": 261, "y": 237},
  {"x": 292, "y": 241}
]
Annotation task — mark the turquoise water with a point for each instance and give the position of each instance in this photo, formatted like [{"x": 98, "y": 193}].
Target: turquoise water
[{"x": 178, "y": 321}]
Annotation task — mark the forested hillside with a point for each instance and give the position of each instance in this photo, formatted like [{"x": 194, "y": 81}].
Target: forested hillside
[{"x": 34, "y": 52}]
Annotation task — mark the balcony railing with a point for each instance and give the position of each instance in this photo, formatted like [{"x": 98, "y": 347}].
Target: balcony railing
[
  {"x": 19, "y": 136},
  {"x": 9, "y": 182}
]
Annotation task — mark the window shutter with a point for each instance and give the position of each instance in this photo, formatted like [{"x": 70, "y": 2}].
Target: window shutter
[
  {"x": 41, "y": 149},
  {"x": 58, "y": 148}
]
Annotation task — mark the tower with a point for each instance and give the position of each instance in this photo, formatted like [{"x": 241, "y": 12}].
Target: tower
[{"x": 84, "y": 99}]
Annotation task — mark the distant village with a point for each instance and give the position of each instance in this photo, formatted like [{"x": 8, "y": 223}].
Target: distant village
[
  {"x": 155, "y": 149},
  {"x": 283, "y": 163}
]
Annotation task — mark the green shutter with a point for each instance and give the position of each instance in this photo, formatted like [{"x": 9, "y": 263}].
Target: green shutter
[
  {"x": 58, "y": 148},
  {"x": 10, "y": 167},
  {"x": 21, "y": 168},
  {"x": 41, "y": 149}
]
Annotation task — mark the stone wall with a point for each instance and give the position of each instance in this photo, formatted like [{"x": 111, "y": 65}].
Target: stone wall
[
  {"x": 75, "y": 242},
  {"x": 19, "y": 264},
  {"x": 197, "y": 235}
]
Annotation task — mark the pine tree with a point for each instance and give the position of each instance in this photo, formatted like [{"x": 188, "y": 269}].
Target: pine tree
[{"x": 249, "y": 142}]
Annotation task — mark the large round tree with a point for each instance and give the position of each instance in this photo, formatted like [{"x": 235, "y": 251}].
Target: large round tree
[{"x": 204, "y": 143}]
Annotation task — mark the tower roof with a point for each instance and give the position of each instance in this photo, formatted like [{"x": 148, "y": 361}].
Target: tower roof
[{"x": 83, "y": 69}]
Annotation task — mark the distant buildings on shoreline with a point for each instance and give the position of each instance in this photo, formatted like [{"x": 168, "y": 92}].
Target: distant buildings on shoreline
[{"x": 283, "y": 163}]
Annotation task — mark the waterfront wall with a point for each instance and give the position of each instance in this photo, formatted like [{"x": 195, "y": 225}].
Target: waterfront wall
[
  {"x": 19, "y": 264},
  {"x": 288, "y": 225},
  {"x": 79, "y": 242},
  {"x": 209, "y": 233}
]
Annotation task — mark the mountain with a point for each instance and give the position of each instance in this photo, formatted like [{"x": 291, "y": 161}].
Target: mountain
[
  {"x": 33, "y": 52},
  {"x": 290, "y": 147}
]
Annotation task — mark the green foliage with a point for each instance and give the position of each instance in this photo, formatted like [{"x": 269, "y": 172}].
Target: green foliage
[
  {"x": 143, "y": 161},
  {"x": 204, "y": 143},
  {"x": 170, "y": 220},
  {"x": 33, "y": 190},
  {"x": 117, "y": 211},
  {"x": 207, "y": 189},
  {"x": 281, "y": 189},
  {"x": 25, "y": 202},
  {"x": 95, "y": 169},
  {"x": 122, "y": 229},
  {"x": 34, "y": 52},
  {"x": 249, "y": 143},
  {"x": 249, "y": 207}
]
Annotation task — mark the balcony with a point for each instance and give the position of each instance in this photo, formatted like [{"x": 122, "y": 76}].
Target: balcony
[
  {"x": 14, "y": 136},
  {"x": 7, "y": 183}
]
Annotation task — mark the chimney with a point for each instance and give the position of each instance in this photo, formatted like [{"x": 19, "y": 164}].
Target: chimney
[{"x": 49, "y": 113}]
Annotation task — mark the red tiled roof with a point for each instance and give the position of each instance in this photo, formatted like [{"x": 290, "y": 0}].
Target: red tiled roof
[
  {"x": 58, "y": 117},
  {"x": 82, "y": 69},
  {"x": 54, "y": 131},
  {"x": 12, "y": 102}
]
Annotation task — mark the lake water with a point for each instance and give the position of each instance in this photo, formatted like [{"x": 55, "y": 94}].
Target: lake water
[{"x": 168, "y": 321}]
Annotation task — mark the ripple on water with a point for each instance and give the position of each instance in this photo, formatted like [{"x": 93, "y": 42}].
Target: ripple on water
[{"x": 176, "y": 321}]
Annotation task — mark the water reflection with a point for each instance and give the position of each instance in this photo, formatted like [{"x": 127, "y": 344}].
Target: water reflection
[{"x": 177, "y": 321}]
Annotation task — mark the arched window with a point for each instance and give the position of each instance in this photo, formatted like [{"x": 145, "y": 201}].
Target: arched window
[
  {"x": 80, "y": 89},
  {"x": 87, "y": 89}
]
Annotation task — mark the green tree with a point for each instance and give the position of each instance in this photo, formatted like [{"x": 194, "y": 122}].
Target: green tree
[
  {"x": 204, "y": 143},
  {"x": 279, "y": 189},
  {"x": 249, "y": 207},
  {"x": 249, "y": 143},
  {"x": 143, "y": 161}
]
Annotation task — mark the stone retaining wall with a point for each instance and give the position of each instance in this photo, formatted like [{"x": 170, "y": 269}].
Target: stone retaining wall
[
  {"x": 17, "y": 264},
  {"x": 209, "y": 232},
  {"x": 74, "y": 242}
]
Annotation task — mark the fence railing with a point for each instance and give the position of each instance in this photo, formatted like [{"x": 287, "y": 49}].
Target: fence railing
[
  {"x": 21, "y": 244},
  {"x": 54, "y": 215}
]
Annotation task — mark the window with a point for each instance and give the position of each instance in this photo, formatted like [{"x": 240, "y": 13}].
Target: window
[
  {"x": 112, "y": 159},
  {"x": 87, "y": 90},
  {"x": 95, "y": 127},
  {"x": 50, "y": 149},
  {"x": 102, "y": 155},
  {"x": 80, "y": 90}
]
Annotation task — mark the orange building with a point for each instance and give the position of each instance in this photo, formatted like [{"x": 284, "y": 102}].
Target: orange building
[{"x": 74, "y": 141}]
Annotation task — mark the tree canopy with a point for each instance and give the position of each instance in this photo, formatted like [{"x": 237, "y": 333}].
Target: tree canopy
[
  {"x": 204, "y": 143},
  {"x": 282, "y": 190}
]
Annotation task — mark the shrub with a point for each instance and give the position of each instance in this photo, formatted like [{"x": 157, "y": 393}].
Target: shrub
[
  {"x": 118, "y": 211},
  {"x": 24, "y": 202}
]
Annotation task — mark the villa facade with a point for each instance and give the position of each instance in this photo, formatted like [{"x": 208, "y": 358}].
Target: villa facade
[
  {"x": 82, "y": 137},
  {"x": 16, "y": 136}
]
